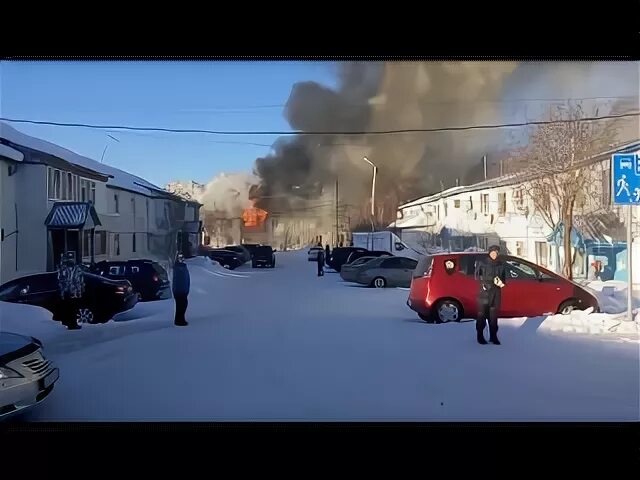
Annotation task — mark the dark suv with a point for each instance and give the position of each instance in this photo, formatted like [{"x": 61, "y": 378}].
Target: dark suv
[
  {"x": 148, "y": 278},
  {"x": 243, "y": 252},
  {"x": 226, "y": 258},
  {"x": 103, "y": 298},
  {"x": 339, "y": 256},
  {"x": 263, "y": 257}
]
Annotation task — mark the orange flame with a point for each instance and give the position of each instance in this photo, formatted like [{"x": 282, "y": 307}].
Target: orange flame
[{"x": 253, "y": 216}]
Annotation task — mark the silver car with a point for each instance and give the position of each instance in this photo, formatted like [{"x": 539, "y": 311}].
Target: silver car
[
  {"x": 387, "y": 272},
  {"x": 349, "y": 272},
  {"x": 26, "y": 376}
]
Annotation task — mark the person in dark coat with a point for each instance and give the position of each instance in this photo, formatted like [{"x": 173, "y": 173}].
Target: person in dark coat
[
  {"x": 491, "y": 273},
  {"x": 327, "y": 254},
  {"x": 71, "y": 287},
  {"x": 181, "y": 284},
  {"x": 320, "y": 261}
]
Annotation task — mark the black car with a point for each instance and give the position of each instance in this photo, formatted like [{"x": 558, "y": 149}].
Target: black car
[
  {"x": 339, "y": 256},
  {"x": 373, "y": 253},
  {"x": 245, "y": 254},
  {"x": 103, "y": 298},
  {"x": 148, "y": 278},
  {"x": 263, "y": 257},
  {"x": 228, "y": 259}
]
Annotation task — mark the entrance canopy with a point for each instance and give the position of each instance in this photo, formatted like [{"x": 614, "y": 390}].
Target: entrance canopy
[{"x": 72, "y": 216}]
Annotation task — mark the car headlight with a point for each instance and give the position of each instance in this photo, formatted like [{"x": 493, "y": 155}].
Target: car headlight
[{"x": 6, "y": 372}]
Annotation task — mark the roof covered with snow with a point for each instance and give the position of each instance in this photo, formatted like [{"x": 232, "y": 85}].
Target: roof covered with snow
[
  {"x": 10, "y": 153},
  {"x": 515, "y": 178},
  {"x": 119, "y": 178}
]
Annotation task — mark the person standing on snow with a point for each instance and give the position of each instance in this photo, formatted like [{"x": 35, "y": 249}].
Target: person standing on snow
[
  {"x": 71, "y": 287},
  {"x": 327, "y": 254},
  {"x": 491, "y": 273},
  {"x": 320, "y": 261},
  {"x": 180, "y": 285}
]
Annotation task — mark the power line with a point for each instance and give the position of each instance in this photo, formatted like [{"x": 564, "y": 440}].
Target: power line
[{"x": 318, "y": 133}]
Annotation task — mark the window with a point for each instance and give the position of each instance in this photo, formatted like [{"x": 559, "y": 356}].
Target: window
[
  {"x": 69, "y": 190},
  {"x": 408, "y": 263},
  {"x": 135, "y": 270},
  {"x": 520, "y": 271},
  {"x": 456, "y": 204},
  {"x": 438, "y": 212},
  {"x": 100, "y": 243},
  {"x": 446, "y": 210},
  {"x": 484, "y": 203},
  {"x": 520, "y": 249},
  {"x": 468, "y": 264},
  {"x": 86, "y": 243},
  {"x": 54, "y": 187},
  {"x": 542, "y": 253},
  {"x": 63, "y": 193},
  {"x": 394, "y": 262},
  {"x": 470, "y": 202},
  {"x": 116, "y": 203},
  {"x": 134, "y": 242},
  {"x": 502, "y": 203},
  {"x": 518, "y": 197},
  {"x": 116, "y": 244},
  {"x": 424, "y": 267},
  {"x": 92, "y": 194}
]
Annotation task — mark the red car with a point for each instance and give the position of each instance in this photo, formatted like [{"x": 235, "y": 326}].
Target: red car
[{"x": 443, "y": 289}]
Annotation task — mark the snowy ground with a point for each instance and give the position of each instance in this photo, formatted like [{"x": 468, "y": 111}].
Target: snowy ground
[{"x": 283, "y": 344}]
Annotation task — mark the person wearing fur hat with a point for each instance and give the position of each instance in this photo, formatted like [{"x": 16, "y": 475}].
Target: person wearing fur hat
[{"x": 491, "y": 273}]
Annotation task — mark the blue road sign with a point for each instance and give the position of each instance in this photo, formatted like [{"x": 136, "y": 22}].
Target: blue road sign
[{"x": 626, "y": 178}]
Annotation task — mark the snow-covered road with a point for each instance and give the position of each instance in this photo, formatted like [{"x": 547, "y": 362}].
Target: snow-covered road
[{"x": 284, "y": 344}]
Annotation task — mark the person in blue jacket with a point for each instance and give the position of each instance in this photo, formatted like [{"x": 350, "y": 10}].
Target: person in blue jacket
[{"x": 180, "y": 285}]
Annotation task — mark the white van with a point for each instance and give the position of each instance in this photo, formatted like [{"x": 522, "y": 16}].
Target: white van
[{"x": 384, "y": 241}]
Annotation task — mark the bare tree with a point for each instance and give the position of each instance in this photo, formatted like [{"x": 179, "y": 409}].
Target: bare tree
[{"x": 557, "y": 177}]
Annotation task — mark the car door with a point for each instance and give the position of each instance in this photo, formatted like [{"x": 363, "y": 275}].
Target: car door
[
  {"x": 548, "y": 291},
  {"x": 393, "y": 270},
  {"x": 39, "y": 290},
  {"x": 527, "y": 292}
]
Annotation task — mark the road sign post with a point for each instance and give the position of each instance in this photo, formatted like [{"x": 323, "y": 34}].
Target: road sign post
[{"x": 625, "y": 181}]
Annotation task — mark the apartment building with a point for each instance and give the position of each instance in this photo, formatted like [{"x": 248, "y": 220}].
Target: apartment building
[
  {"x": 499, "y": 211},
  {"x": 56, "y": 200}
]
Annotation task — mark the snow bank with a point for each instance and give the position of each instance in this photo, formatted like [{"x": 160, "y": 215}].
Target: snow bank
[
  {"x": 612, "y": 296},
  {"x": 587, "y": 322}
]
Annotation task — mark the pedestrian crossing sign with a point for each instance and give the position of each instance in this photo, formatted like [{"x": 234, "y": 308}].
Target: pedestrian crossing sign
[{"x": 626, "y": 178}]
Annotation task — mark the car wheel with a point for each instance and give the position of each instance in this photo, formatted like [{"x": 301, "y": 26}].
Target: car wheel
[
  {"x": 448, "y": 311},
  {"x": 567, "y": 307},
  {"x": 379, "y": 282},
  {"x": 226, "y": 266},
  {"x": 85, "y": 315}
]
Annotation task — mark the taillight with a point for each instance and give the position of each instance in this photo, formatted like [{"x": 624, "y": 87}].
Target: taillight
[{"x": 155, "y": 278}]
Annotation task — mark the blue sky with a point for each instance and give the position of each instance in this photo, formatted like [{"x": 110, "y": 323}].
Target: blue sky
[{"x": 205, "y": 95}]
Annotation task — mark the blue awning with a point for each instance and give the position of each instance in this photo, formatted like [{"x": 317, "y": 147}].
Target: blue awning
[{"x": 72, "y": 216}]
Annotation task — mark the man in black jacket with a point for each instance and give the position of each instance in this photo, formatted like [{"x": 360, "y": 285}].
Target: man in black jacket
[
  {"x": 492, "y": 275},
  {"x": 320, "y": 260}
]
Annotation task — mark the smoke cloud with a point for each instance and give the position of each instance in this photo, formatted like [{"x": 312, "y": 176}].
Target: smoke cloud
[
  {"x": 378, "y": 96},
  {"x": 228, "y": 193}
]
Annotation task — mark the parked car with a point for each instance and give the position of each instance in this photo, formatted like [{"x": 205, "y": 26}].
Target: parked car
[
  {"x": 103, "y": 298},
  {"x": 149, "y": 279},
  {"x": 353, "y": 256},
  {"x": 228, "y": 259},
  {"x": 387, "y": 272},
  {"x": 349, "y": 272},
  {"x": 444, "y": 294},
  {"x": 26, "y": 376},
  {"x": 339, "y": 256},
  {"x": 245, "y": 254},
  {"x": 264, "y": 257},
  {"x": 312, "y": 255},
  {"x": 251, "y": 247}
]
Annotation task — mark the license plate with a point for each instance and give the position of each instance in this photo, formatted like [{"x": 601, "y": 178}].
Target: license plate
[{"x": 50, "y": 379}]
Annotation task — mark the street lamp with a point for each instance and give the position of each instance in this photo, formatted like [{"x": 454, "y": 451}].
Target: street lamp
[{"x": 373, "y": 190}]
